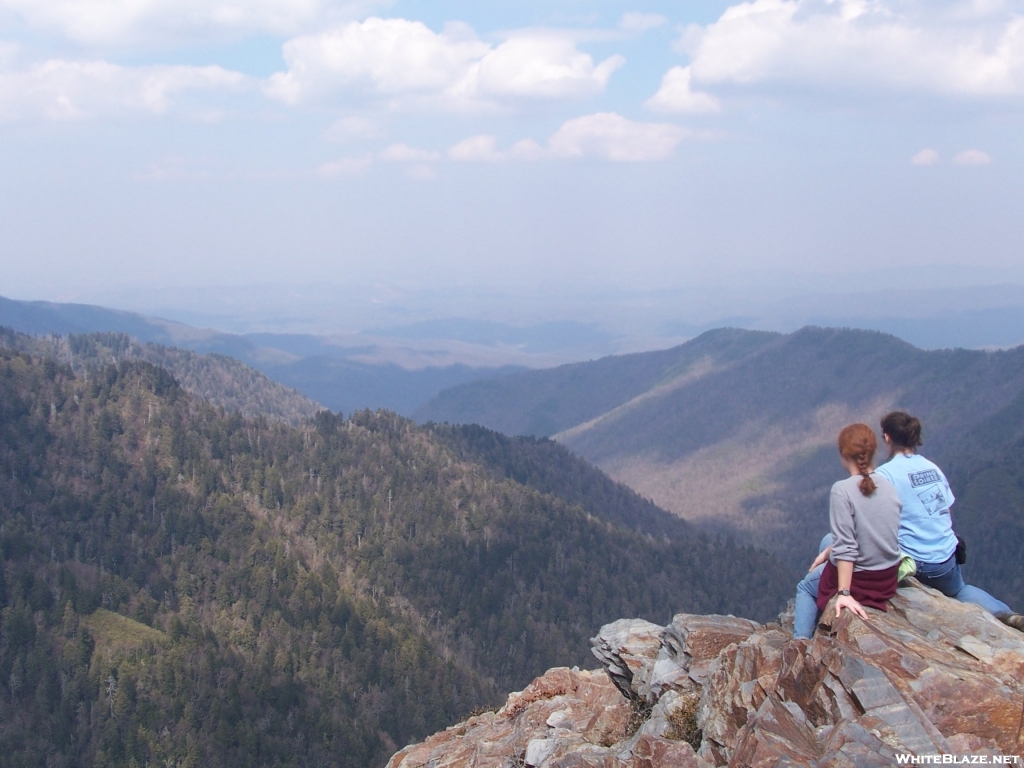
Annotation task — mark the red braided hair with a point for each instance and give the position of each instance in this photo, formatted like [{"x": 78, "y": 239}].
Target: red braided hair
[{"x": 857, "y": 444}]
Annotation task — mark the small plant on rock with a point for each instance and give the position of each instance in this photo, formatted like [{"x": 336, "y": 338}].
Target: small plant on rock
[
  {"x": 639, "y": 713},
  {"x": 683, "y": 721}
]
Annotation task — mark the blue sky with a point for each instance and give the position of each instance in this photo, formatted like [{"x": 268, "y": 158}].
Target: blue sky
[{"x": 530, "y": 147}]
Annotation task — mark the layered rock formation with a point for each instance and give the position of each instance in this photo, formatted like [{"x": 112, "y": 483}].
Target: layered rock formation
[{"x": 929, "y": 677}]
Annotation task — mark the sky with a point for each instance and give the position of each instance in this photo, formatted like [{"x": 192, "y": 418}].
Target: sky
[{"x": 197, "y": 151}]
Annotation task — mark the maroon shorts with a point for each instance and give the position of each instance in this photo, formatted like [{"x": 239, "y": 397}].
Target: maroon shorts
[{"x": 870, "y": 588}]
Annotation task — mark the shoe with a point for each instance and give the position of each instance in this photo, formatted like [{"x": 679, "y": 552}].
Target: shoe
[{"x": 1014, "y": 620}]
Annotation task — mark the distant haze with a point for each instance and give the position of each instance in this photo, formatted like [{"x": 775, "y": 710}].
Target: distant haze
[
  {"x": 334, "y": 166},
  {"x": 484, "y": 325}
]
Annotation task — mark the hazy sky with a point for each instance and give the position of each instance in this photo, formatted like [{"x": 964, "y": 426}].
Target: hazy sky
[{"x": 564, "y": 143}]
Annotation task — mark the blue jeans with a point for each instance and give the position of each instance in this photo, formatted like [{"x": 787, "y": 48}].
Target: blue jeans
[
  {"x": 805, "y": 615},
  {"x": 947, "y": 578}
]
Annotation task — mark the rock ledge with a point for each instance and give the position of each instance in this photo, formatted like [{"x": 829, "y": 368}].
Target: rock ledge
[{"x": 930, "y": 676}]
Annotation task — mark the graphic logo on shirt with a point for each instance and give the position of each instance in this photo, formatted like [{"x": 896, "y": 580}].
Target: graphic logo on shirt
[
  {"x": 925, "y": 477},
  {"x": 933, "y": 500}
]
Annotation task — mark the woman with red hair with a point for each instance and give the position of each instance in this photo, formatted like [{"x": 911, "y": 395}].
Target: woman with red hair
[{"x": 860, "y": 558}]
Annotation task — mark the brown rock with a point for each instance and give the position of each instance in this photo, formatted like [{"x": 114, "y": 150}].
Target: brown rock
[
  {"x": 654, "y": 752},
  {"x": 929, "y": 676},
  {"x": 555, "y": 682},
  {"x": 776, "y": 733},
  {"x": 628, "y": 650},
  {"x": 695, "y": 641},
  {"x": 562, "y": 711},
  {"x": 851, "y": 745},
  {"x": 737, "y": 683}
]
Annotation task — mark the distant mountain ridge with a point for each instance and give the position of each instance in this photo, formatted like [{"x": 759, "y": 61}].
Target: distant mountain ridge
[
  {"x": 220, "y": 380},
  {"x": 323, "y": 371},
  {"x": 46, "y": 317},
  {"x": 736, "y": 429},
  {"x": 544, "y": 403}
]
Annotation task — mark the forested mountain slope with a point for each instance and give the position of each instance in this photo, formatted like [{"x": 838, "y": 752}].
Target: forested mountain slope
[
  {"x": 182, "y": 586},
  {"x": 737, "y": 429},
  {"x": 549, "y": 467},
  {"x": 218, "y": 379}
]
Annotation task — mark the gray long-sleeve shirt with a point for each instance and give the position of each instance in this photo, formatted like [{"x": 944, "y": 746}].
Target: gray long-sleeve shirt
[{"x": 865, "y": 528}]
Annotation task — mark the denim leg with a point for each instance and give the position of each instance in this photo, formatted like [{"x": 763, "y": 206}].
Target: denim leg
[
  {"x": 993, "y": 605},
  {"x": 948, "y": 579},
  {"x": 945, "y": 576},
  {"x": 805, "y": 615}
]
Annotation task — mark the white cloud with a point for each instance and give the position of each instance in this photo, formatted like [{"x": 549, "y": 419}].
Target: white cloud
[
  {"x": 346, "y": 166},
  {"x": 418, "y": 163},
  {"x": 383, "y": 56},
  {"x": 484, "y": 148},
  {"x": 972, "y": 157},
  {"x": 407, "y": 63},
  {"x": 476, "y": 148},
  {"x": 959, "y": 48},
  {"x": 135, "y": 22},
  {"x": 604, "y": 135},
  {"x": 526, "y": 149},
  {"x": 641, "y": 22},
  {"x": 539, "y": 67},
  {"x": 350, "y": 128},
  {"x": 403, "y": 153},
  {"x": 610, "y": 136},
  {"x": 63, "y": 90},
  {"x": 926, "y": 156},
  {"x": 677, "y": 95}
]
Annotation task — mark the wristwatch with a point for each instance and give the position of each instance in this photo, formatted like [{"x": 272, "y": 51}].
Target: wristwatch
[{"x": 844, "y": 592}]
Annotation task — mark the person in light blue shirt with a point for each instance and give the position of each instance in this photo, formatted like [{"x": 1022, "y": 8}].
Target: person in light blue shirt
[{"x": 926, "y": 526}]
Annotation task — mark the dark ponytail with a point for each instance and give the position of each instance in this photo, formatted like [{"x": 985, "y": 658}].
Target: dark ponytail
[
  {"x": 904, "y": 431},
  {"x": 857, "y": 443}
]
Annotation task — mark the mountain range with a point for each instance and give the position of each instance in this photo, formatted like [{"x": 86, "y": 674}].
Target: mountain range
[
  {"x": 735, "y": 430},
  {"x": 204, "y": 568},
  {"x": 342, "y": 372},
  {"x": 730, "y": 430}
]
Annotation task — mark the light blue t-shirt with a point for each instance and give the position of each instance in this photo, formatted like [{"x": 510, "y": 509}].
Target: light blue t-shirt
[{"x": 926, "y": 528}]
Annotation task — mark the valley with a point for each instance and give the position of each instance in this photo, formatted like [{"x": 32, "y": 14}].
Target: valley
[
  {"x": 190, "y": 585},
  {"x": 735, "y": 430}
]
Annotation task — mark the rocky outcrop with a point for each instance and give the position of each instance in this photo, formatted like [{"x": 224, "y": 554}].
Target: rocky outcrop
[{"x": 931, "y": 676}]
